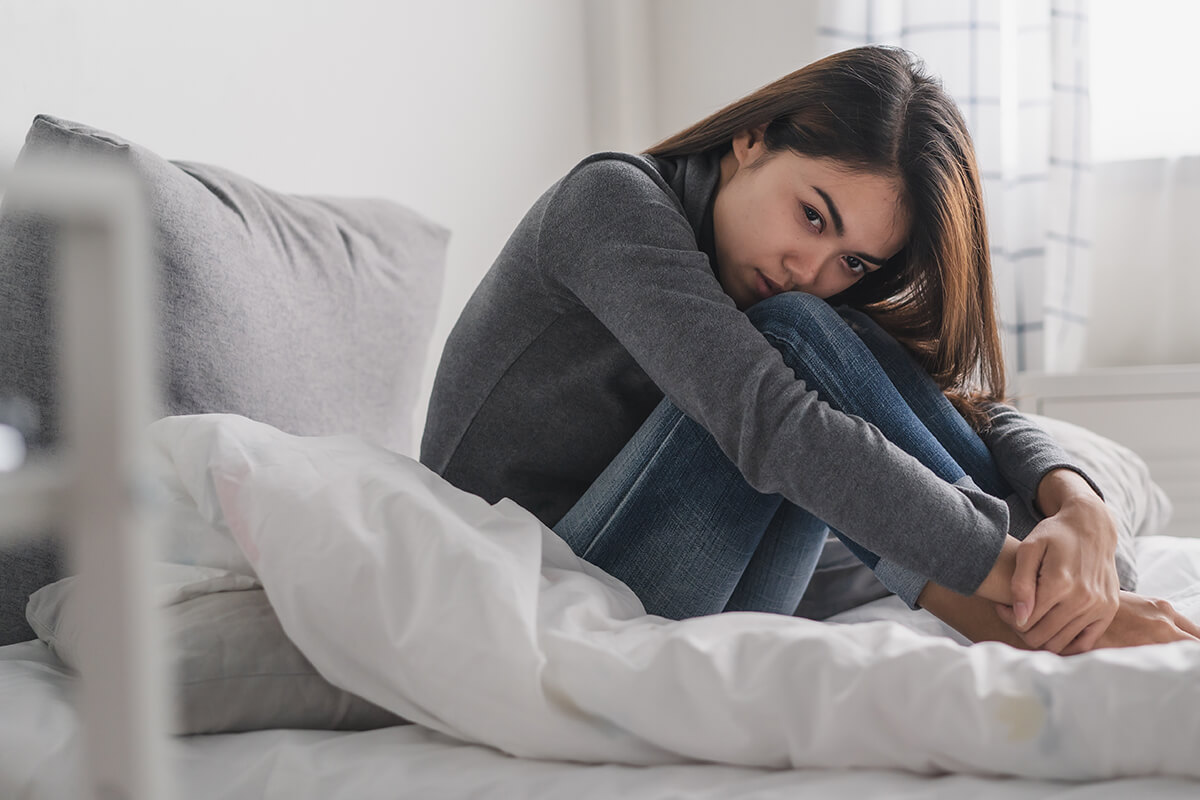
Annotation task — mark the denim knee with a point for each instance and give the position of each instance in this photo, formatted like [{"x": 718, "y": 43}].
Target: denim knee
[
  {"x": 790, "y": 315},
  {"x": 860, "y": 321}
]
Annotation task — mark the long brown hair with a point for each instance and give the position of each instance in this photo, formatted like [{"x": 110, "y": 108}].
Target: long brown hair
[{"x": 875, "y": 109}]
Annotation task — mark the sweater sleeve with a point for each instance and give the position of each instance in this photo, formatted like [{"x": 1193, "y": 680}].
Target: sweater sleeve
[
  {"x": 1024, "y": 454},
  {"x": 617, "y": 242}
]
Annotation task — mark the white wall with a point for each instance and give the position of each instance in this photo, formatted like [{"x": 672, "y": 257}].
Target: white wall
[
  {"x": 464, "y": 110},
  {"x": 1143, "y": 63},
  {"x": 712, "y": 52},
  {"x": 660, "y": 65}
]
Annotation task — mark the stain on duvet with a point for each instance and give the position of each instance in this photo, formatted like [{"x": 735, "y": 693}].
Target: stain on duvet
[{"x": 1023, "y": 716}]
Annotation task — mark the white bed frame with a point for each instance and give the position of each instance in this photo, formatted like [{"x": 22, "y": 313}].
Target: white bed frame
[{"x": 91, "y": 488}]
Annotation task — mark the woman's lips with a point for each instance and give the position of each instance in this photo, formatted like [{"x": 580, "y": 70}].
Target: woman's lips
[{"x": 765, "y": 288}]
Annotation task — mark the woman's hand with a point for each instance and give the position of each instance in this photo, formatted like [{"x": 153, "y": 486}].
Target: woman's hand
[
  {"x": 1065, "y": 582},
  {"x": 1139, "y": 620}
]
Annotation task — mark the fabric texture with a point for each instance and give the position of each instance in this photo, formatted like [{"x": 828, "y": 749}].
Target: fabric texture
[
  {"x": 311, "y": 313},
  {"x": 603, "y": 301},
  {"x": 232, "y": 666}
]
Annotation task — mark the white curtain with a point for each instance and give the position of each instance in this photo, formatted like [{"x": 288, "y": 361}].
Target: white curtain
[
  {"x": 1019, "y": 73},
  {"x": 1146, "y": 280}
]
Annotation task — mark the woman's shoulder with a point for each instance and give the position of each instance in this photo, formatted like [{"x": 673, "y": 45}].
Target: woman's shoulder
[{"x": 612, "y": 177}]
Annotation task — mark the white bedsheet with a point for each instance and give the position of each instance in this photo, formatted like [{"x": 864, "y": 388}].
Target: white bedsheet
[{"x": 482, "y": 625}]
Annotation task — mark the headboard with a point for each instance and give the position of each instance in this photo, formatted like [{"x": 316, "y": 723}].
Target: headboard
[{"x": 1152, "y": 410}]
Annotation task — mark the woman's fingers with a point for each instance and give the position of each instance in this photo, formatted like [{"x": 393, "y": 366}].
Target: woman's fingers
[
  {"x": 1087, "y": 641},
  {"x": 1184, "y": 624},
  {"x": 1056, "y": 619},
  {"x": 1139, "y": 620},
  {"x": 1043, "y": 636},
  {"x": 1069, "y": 634},
  {"x": 1024, "y": 582}
]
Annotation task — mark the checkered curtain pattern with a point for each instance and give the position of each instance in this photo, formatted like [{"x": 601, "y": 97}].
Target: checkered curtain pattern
[{"x": 1019, "y": 73}]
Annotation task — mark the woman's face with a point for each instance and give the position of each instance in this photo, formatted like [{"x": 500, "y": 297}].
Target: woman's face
[{"x": 796, "y": 223}]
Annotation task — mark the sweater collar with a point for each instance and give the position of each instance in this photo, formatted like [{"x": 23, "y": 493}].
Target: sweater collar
[{"x": 693, "y": 179}]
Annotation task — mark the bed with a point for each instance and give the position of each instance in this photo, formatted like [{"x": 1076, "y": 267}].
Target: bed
[{"x": 461, "y": 647}]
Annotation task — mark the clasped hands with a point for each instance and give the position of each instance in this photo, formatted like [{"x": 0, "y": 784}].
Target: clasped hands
[{"x": 1066, "y": 595}]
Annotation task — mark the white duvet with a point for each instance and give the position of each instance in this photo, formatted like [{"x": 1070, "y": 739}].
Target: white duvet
[{"x": 477, "y": 621}]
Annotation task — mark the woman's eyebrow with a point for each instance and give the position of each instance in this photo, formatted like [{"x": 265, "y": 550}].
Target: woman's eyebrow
[
  {"x": 833, "y": 210},
  {"x": 841, "y": 229}
]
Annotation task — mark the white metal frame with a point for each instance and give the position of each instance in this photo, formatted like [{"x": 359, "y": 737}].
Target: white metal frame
[{"x": 91, "y": 489}]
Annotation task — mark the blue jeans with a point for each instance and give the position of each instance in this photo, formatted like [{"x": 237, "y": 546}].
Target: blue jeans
[{"x": 674, "y": 519}]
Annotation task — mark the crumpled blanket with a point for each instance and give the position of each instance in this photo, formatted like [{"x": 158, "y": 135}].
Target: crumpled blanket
[{"x": 477, "y": 621}]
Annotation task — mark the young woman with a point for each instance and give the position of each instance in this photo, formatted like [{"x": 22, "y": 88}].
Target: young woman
[{"x": 696, "y": 362}]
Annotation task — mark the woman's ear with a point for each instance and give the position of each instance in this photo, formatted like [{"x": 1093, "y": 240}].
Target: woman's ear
[{"x": 749, "y": 145}]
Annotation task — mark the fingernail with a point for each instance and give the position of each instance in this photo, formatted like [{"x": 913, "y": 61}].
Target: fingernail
[{"x": 1022, "y": 612}]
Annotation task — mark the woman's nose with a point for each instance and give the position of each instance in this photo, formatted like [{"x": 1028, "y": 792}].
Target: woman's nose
[{"x": 803, "y": 270}]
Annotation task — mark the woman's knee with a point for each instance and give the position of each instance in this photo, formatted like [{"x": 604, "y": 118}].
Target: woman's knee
[
  {"x": 900, "y": 363},
  {"x": 798, "y": 314},
  {"x": 859, "y": 321}
]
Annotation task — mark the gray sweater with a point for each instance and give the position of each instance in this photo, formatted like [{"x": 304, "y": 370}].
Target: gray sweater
[{"x": 603, "y": 300}]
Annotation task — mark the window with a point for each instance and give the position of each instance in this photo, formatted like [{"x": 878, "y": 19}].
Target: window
[{"x": 1145, "y": 96}]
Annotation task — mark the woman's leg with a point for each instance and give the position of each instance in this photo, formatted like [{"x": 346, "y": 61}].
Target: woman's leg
[
  {"x": 858, "y": 368},
  {"x": 675, "y": 520},
  {"x": 830, "y": 357},
  {"x": 927, "y": 401},
  {"x": 781, "y": 567}
]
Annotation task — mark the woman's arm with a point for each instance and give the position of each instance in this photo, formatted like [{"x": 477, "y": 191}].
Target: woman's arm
[
  {"x": 997, "y": 587},
  {"x": 1025, "y": 455},
  {"x": 974, "y": 617},
  {"x": 1060, "y": 572},
  {"x": 1037, "y": 468},
  {"x": 1067, "y": 563},
  {"x": 614, "y": 243},
  {"x": 1139, "y": 620},
  {"x": 1059, "y": 585}
]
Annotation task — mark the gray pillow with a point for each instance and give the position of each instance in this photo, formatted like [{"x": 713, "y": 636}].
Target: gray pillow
[
  {"x": 233, "y": 667},
  {"x": 311, "y": 314}
]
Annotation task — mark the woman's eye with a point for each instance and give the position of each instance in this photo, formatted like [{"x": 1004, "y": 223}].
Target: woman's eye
[
  {"x": 856, "y": 266},
  {"x": 813, "y": 217}
]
